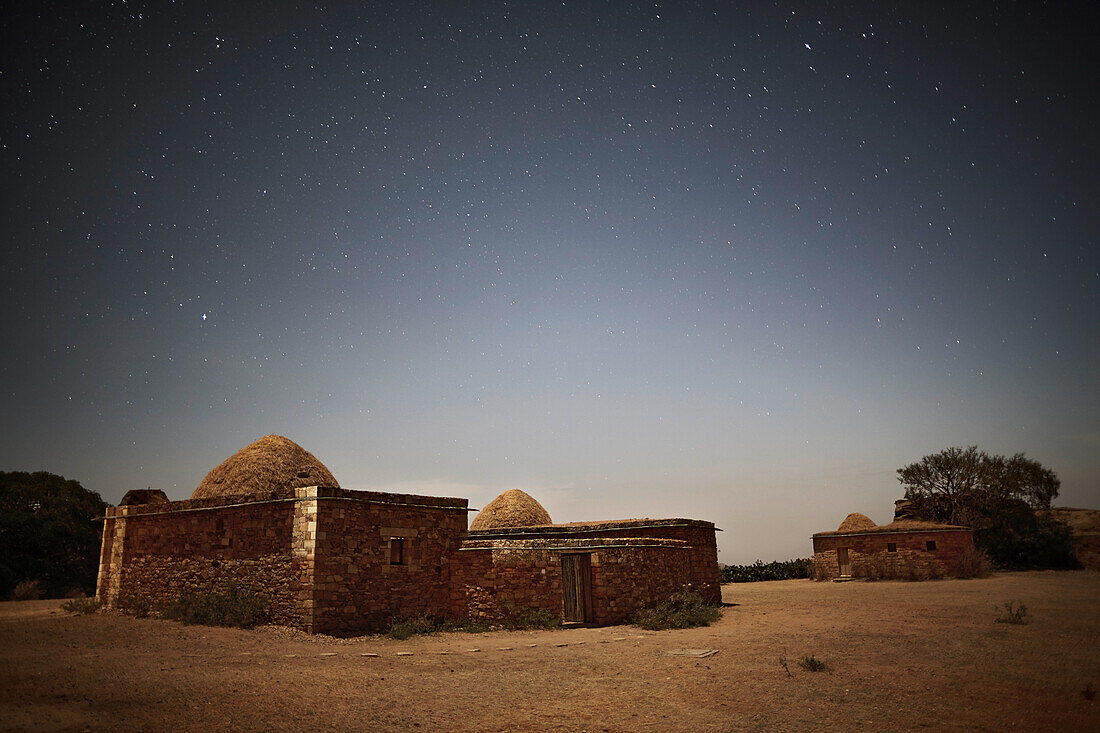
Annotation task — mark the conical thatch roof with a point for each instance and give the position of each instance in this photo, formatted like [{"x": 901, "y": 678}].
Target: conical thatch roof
[
  {"x": 513, "y": 508},
  {"x": 143, "y": 496},
  {"x": 272, "y": 462},
  {"x": 855, "y": 522}
]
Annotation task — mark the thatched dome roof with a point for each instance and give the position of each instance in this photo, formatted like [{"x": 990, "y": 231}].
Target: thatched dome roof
[
  {"x": 134, "y": 497},
  {"x": 272, "y": 462},
  {"x": 513, "y": 508},
  {"x": 855, "y": 522}
]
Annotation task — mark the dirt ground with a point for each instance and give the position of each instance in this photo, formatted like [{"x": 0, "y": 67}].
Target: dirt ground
[{"x": 900, "y": 656}]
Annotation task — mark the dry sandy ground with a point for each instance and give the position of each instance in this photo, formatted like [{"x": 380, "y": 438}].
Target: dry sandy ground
[{"x": 901, "y": 656}]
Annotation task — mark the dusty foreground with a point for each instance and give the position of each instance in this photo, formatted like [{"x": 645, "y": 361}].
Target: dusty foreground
[{"x": 900, "y": 655}]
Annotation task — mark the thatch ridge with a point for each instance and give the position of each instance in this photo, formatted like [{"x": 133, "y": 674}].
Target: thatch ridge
[
  {"x": 513, "y": 508},
  {"x": 855, "y": 522},
  {"x": 271, "y": 463}
]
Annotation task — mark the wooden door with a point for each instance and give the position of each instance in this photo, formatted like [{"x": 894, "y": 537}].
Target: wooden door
[
  {"x": 576, "y": 587},
  {"x": 842, "y": 560}
]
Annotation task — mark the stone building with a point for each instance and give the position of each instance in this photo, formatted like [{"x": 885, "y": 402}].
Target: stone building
[
  {"x": 272, "y": 519},
  {"x": 593, "y": 572},
  {"x": 902, "y": 546}
]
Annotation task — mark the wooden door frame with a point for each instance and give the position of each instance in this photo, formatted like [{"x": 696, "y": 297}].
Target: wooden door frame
[
  {"x": 840, "y": 564},
  {"x": 576, "y": 586}
]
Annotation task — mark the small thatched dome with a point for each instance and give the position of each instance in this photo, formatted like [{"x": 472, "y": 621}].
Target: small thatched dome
[
  {"x": 855, "y": 522},
  {"x": 272, "y": 462},
  {"x": 513, "y": 508},
  {"x": 143, "y": 496}
]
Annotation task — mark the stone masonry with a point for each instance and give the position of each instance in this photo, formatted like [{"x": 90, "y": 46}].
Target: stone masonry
[
  {"x": 330, "y": 560},
  {"x": 294, "y": 547},
  {"x": 908, "y": 548}
]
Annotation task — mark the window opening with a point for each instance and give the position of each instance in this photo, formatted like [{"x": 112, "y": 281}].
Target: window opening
[
  {"x": 397, "y": 551},
  {"x": 891, "y": 546},
  {"x": 930, "y": 545}
]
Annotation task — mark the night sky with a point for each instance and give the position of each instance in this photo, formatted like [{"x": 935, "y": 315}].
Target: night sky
[{"x": 679, "y": 259}]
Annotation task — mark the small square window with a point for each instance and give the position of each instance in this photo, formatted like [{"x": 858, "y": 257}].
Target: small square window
[
  {"x": 397, "y": 551},
  {"x": 930, "y": 545},
  {"x": 891, "y": 546}
]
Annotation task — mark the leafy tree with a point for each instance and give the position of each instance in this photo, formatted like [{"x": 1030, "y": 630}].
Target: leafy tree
[
  {"x": 997, "y": 497},
  {"x": 958, "y": 484},
  {"x": 1016, "y": 536},
  {"x": 48, "y": 533}
]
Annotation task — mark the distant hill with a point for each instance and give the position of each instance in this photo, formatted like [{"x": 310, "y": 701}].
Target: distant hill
[{"x": 1084, "y": 526}]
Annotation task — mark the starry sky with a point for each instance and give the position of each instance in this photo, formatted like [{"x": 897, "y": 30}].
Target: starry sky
[{"x": 636, "y": 259}]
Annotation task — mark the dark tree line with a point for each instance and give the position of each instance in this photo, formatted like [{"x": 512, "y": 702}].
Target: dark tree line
[
  {"x": 49, "y": 533},
  {"x": 1001, "y": 499}
]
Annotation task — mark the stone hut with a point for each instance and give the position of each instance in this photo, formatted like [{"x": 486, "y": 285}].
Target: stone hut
[
  {"x": 858, "y": 543},
  {"x": 591, "y": 572},
  {"x": 272, "y": 519}
]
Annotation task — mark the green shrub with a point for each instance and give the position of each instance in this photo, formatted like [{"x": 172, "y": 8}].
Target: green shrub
[
  {"x": 1017, "y": 538},
  {"x": 514, "y": 620},
  {"x": 137, "y": 606},
  {"x": 469, "y": 626},
  {"x": 760, "y": 570},
  {"x": 681, "y": 611},
  {"x": 231, "y": 607},
  {"x": 1011, "y": 613},
  {"x": 517, "y": 619},
  {"x": 414, "y": 626},
  {"x": 82, "y": 606},
  {"x": 810, "y": 663},
  {"x": 973, "y": 564},
  {"x": 27, "y": 590}
]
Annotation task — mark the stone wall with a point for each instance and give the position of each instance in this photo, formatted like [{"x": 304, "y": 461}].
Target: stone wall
[
  {"x": 159, "y": 551},
  {"x": 318, "y": 555},
  {"x": 498, "y": 572},
  {"x": 699, "y": 568},
  {"x": 322, "y": 558},
  {"x": 359, "y": 585},
  {"x": 491, "y": 580},
  {"x": 911, "y": 552}
]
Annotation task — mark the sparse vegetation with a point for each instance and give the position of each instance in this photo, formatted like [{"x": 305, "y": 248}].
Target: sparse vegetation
[
  {"x": 27, "y": 590},
  {"x": 415, "y": 626},
  {"x": 682, "y": 610},
  {"x": 1034, "y": 683},
  {"x": 810, "y": 663},
  {"x": 783, "y": 664},
  {"x": 231, "y": 607},
  {"x": 973, "y": 564},
  {"x": 137, "y": 606},
  {"x": 1012, "y": 613},
  {"x": 82, "y": 606},
  {"x": 518, "y": 619},
  {"x": 515, "y": 619},
  {"x": 469, "y": 626},
  {"x": 760, "y": 570}
]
